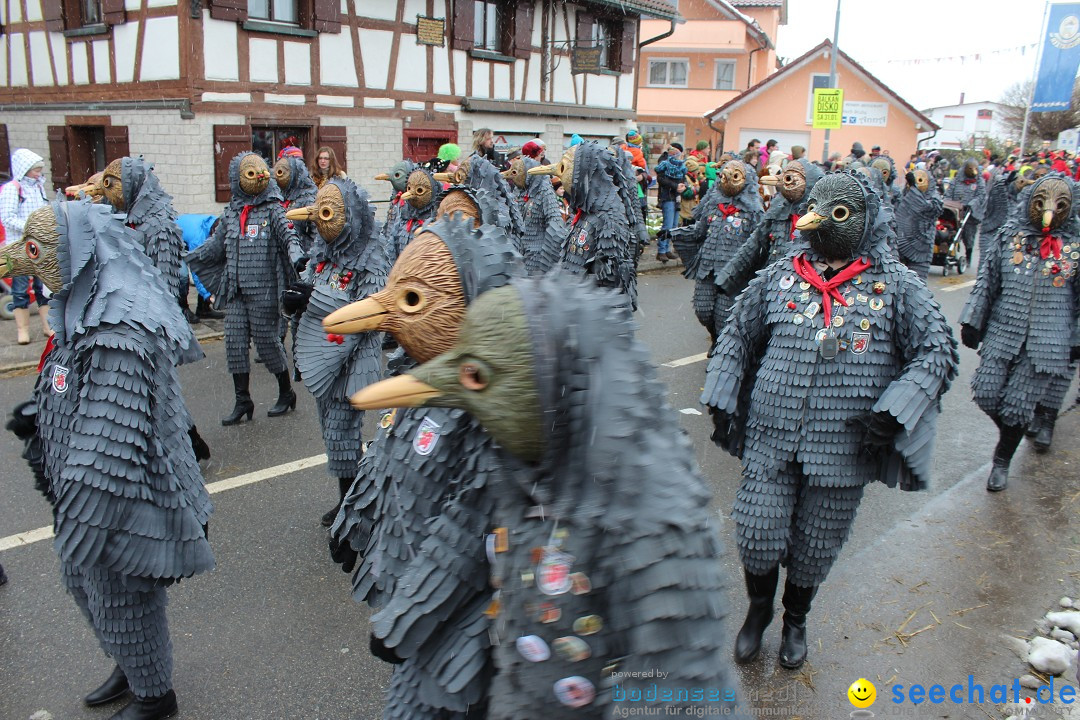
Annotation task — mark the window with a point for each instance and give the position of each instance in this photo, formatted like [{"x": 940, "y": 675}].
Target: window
[
  {"x": 725, "y": 74},
  {"x": 658, "y": 137},
  {"x": 601, "y": 38},
  {"x": 668, "y": 73},
  {"x": 268, "y": 141},
  {"x": 283, "y": 11},
  {"x": 83, "y": 147},
  {"x": 81, "y": 17},
  {"x": 91, "y": 12},
  {"x": 817, "y": 80},
  {"x": 486, "y": 33},
  {"x": 983, "y": 120},
  {"x": 952, "y": 122}
]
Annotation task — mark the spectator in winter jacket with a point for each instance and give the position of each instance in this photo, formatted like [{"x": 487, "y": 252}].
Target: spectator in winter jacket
[
  {"x": 19, "y": 197},
  {"x": 671, "y": 176}
]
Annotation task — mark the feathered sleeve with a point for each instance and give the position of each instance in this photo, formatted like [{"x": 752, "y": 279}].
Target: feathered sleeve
[
  {"x": 165, "y": 246},
  {"x": 119, "y": 505},
  {"x": 208, "y": 260},
  {"x": 752, "y": 255},
  {"x": 914, "y": 204},
  {"x": 987, "y": 288},
  {"x": 688, "y": 241}
]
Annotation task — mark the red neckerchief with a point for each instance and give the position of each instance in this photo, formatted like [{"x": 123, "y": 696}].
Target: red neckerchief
[
  {"x": 49, "y": 345},
  {"x": 526, "y": 199},
  {"x": 971, "y": 181},
  {"x": 577, "y": 216},
  {"x": 727, "y": 210},
  {"x": 243, "y": 218},
  {"x": 1049, "y": 244},
  {"x": 285, "y": 204},
  {"x": 828, "y": 288},
  {"x": 409, "y": 224},
  {"x": 794, "y": 219},
  {"x": 397, "y": 199}
]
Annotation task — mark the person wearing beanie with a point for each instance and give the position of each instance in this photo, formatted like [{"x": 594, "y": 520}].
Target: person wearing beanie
[
  {"x": 448, "y": 156},
  {"x": 576, "y": 139},
  {"x": 633, "y": 144},
  {"x": 856, "y": 154},
  {"x": 797, "y": 152},
  {"x": 532, "y": 149},
  {"x": 701, "y": 151},
  {"x": 671, "y": 176}
]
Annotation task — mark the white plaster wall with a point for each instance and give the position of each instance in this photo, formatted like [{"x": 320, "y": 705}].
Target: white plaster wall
[
  {"x": 219, "y": 49},
  {"x": 538, "y": 23},
  {"x": 532, "y": 90},
  {"x": 501, "y": 91},
  {"x": 262, "y": 60},
  {"x": 601, "y": 91},
  {"x": 519, "y": 78},
  {"x": 3, "y": 56},
  {"x": 557, "y": 18},
  {"x": 440, "y": 81},
  {"x": 461, "y": 67},
  {"x": 131, "y": 5},
  {"x": 124, "y": 37},
  {"x": 375, "y": 50},
  {"x": 414, "y": 8},
  {"x": 382, "y": 9},
  {"x": 59, "y": 50},
  {"x": 19, "y": 76},
  {"x": 411, "y": 65},
  {"x": 481, "y": 80},
  {"x": 161, "y": 50},
  {"x": 336, "y": 65},
  {"x": 102, "y": 73},
  {"x": 626, "y": 91},
  {"x": 298, "y": 63},
  {"x": 15, "y": 9},
  {"x": 33, "y": 10},
  {"x": 40, "y": 72},
  {"x": 563, "y": 87},
  {"x": 440, "y": 10},
  {"x": 160, "y": 3}
]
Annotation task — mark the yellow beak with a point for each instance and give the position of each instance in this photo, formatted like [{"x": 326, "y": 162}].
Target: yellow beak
[
  {"x": 304, "y": 213},
  {"x": 361, "y": 316},
  {"x": 408, "y": 195},
  {"x": 544, "y": 170},
  {"x": 1048, "y": 217},
  {"x": 772, "y": 180},
  {"x": 507, "y": 174},
  {"x": 74, "y": 190},
  {"x": 809, "y": 221},
  {"x": 382, "y": 176},
  {"x": 402, "y": 391},
  {"x": 443, "y": 177}
]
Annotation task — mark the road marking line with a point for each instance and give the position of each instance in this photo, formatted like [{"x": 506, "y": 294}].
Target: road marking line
[
  {"x": 44, "y": 533},
  {"x": 689, "y": 360},
  {"x": 961, "y": 286}
]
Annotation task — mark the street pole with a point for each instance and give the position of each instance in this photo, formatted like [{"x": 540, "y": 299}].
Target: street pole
[
  {"x": 1034, "y": 79},
  {"x": 832, "y": 74}
]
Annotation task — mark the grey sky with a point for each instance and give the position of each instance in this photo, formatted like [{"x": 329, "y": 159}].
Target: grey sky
[{"x": 872, "y": 32}]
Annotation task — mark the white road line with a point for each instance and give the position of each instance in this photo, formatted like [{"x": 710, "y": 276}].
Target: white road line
[
  {"x": 44, "y": 533},
  {"x": 689, "y": 360},
  {"x": 961, "y": 286}
]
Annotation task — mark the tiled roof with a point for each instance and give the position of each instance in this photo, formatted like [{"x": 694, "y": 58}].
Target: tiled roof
[{"x": 652, "y": 8}]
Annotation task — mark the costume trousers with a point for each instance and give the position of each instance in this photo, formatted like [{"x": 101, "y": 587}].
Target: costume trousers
[
  {"x": 128, "y": 617},
  {"x": 711, "y": 306},
  {"x": 247, "y": 321},
  {"x": 787, "y": 520},
  {"x": 1008, "y": 390},
  {"x": 341, "y": 427}
]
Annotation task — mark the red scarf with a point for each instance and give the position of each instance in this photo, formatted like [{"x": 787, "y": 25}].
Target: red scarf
[
  {"x": 1050, "y": 244},
  {"x": 409, "y": 224},
  {"x": 397, "y": 200},
  {"x": 577, "y": 216},
  {"x": 828, "y": 288},
  {"x": 243, "y": 219},
  {"x": 49, "y": 345},
  {"x": 727, "y": 210},
  {"x": 970, "y": 181},
  {"x": 794, "y": 219},
  {"x": 285, "y": 204}
]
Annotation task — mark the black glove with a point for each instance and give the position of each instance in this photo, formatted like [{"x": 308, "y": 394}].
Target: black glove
[
  {"x": 1011, "y": 177},
  {"x": 910, "y": 177},
  {"x": 343, "y": 554},
  {"x": 23, "y": 421},
  {"x": 379, "y": 650},
  {"x": 663, "y": 235},
  {"x": 878, "y": 430},
  {"x": 970, "y": 336},
  {"x": 1074, "y": 353},
  {"x": 301, "y": 264},
  {"x": 722, "y": 427},
  {"x": 295, "y": 299}
]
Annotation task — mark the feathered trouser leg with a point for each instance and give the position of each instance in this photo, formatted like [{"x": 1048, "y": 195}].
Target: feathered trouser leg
[
  {"x": 247, "y": 321},
  {"x": 128, "y": 617},
  {"x": 1009, "y": 390},
  {"x": 402, "y": 702},
  {"x": 341, "y": 428},
  {"x": 705, "y": 292},
  {"x": 788, "y": 520}
]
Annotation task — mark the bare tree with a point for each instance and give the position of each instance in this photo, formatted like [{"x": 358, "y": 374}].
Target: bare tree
[{"x": 1042, "y": 125}]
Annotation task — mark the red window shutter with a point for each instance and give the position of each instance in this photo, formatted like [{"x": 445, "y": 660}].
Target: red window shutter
[
  {"x": 584, "y": 28},
  {"x": 464, "y": 12},
  {"x": 58, "y": 155},
  {"x": 334, "y": 138},
  {"x": 235, "y": 10},
  {"x": 523, "y": 25},
  {"x": 116, "y": 142},
  {"x": 327, "y": 16},
  {"x": 112, "y": 12},
  {"x": 5, "y": 152},
  {"x": 627, "y": 46},
  {"x": 53, "y": 13},
  {"x": 229, "y": 141}
]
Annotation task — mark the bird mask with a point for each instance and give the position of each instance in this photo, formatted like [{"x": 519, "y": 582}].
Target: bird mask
[
  {"x": 732, "y": 178},
  {"x": 564, "y": 170},
  {"x": 36, "y": 254},
  {"x": 489, "y": 372},
  {"x": 418, "y": 191},
  {"x": 1023, "y": 178},
  {"x": 254, "y": 174},
  {"x": 84, "y": 189},
  {"x": 283, "y": 174},
  {"x": 109, "y": 186},
  {"x": 398, "y": 175},
  {"x": 922, "y": 180},
  {"x": 971, "y": 169},
  {"x": 884, "y": 167},
  {"x": 835, "y": 217},
  {"x": 459, "y": 202},
  {"x": 516, "y": 175},
  {"x": 458, "y": 177},
  {"x": 1050, "y": 205},
  {"x": 328, "y": 212},
  {"x": 792, "y": 181}
]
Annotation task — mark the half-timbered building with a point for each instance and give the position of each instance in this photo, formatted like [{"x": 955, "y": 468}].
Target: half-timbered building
[{"x": 189, "y": 83}]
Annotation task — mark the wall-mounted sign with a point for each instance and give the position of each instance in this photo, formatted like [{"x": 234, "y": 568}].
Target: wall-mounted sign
[
  {"x": 585, "y": 59},
  {"x": 430, "y": 31},
  {"x": 828, "y": 103},
  {"x": 866, "y": 114}
]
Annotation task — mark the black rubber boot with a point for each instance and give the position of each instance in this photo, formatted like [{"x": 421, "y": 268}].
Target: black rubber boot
[
  {"x": 202, "y": 450},
  {"x": 149, "y": 708},
  {"x": 112, "y": 689},
  {"x": 343, "y": 489},
  {"x": 797, "y": 601},
  {"x": 1046, "y": 418},
  {"x": 286, "y": 399},
  {"x": 1009, "y": 437},
  {"x": 761, "y": 589},
  {"x": 244, "y": 405}
]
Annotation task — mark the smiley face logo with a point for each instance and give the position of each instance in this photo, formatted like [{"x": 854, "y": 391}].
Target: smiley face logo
[{"x": 862, "y": 693}]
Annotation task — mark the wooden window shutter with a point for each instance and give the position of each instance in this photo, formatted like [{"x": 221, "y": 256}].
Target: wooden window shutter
[
  {"x": 627, "y": 46},
  {"x": 112, "y": 12},
  {"x": 229, "y": 141},
  {"x": 58, "y": 155},
  {"x": 53, "y": 13},
  {"x": 523, "y": 22},
  {"x": 464, "y": 11},
  {"x": 327, "y": 16},
  {"x": 584, "y": 28},
  {"x": 116, "y": 142},
  {"x": 5, "y": 152},
  {"x": 235, "y": 10},
  {"x": 334, "y": 138}
]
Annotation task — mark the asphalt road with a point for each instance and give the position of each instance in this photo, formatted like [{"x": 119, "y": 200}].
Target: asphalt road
[{"x": 273, "y": 632}]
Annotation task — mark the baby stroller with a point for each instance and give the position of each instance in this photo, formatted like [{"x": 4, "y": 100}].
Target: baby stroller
[
  {"x": 7, "y": 312},
  {"x": 949, "y": 250}
]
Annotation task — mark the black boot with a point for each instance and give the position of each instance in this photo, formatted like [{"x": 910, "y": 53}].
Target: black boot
[
  {"x": 112, "y": 689},
  {"x": 793, "y": 638},
  {"x": 760, "y": 589},
  {"x": 343, "y": 489},
  {"x": 149, "y": 708},
  {"x": 286, "y": 398},
  {"x": 203, "y": 310},
  {"x": 1008, "y": 440},
  {"x": 244, "y": 405},
  {"x": 1046, "y": 418},
  {"x": 202, "y": 450}
]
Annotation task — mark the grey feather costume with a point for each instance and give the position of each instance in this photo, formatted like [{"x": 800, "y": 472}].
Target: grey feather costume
[
  {"x": 250, "y": 267},
  {"x": 398, "y": 178},
  {"x": 784, "y": 410},
  {"x": 417, "y": 514},
  {"x": 771, "y": 240},
  {"x": 483, "y": 175},
  {"x": 1026, "y": 315},
  {"x": 405, "y": 219},
  {"x": 543, "y": 227},
  {"x": 721, "y": 229},
  {"x": 130, "y": 505},
  {"x": 916, "y": 220},
  {"x": 971, "y": 192},
  {"x": 341, "y": 272},
  {"x": 300, "y": 193}
]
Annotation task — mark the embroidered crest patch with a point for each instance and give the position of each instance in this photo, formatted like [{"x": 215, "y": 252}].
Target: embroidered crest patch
[
  {"x": 59, "y": 379},
  {"x": 427, "y": 437}
]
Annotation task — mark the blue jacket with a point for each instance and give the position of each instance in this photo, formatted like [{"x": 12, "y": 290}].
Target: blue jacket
[{"x": 196, "y": 229}]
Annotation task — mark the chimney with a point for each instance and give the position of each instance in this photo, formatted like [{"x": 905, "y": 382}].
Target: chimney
[{"x": 961, "y": 98}]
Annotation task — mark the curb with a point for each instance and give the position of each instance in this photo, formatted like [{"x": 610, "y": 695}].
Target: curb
[{"x": 17, "y": 369}]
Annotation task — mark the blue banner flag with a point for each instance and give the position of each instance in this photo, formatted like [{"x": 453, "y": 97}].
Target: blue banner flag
[{"x": 1059, "y": 60}]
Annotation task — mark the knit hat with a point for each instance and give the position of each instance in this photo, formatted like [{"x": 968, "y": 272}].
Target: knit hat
[
  {"x": 449, "y": 152},
  {"x": 634, "y": 137},
  {"x": 532, "y": 149},
  {"x": 291, "y": 151},
  {"x": 576, "y": 139},
  {"x": 702, "y": 145},
  {"x": 677, "y": 146}
]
